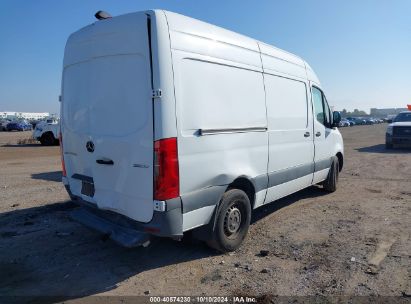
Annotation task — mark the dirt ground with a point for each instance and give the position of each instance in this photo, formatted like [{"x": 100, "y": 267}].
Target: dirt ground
[{"x": 354, "y": 242}]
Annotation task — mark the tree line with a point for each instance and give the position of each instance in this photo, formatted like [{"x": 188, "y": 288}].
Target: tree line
[{"x": 356, "y": 112}]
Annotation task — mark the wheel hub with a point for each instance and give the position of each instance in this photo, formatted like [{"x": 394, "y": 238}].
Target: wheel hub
[{"x": 232, "y": 220}]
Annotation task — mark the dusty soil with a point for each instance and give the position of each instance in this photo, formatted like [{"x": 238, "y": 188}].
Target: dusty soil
[{"x": 353, "y": 242}]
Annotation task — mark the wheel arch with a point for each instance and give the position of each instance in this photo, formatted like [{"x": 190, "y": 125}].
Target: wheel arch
[{"x": 245, "y": 184}]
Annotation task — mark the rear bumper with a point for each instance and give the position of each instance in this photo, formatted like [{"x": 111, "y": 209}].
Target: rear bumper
[
  {"x": 122, "y": 235},
  {"x": 126, "y": 231}
]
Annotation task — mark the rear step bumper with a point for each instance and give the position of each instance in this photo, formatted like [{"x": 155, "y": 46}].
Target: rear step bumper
[
  {"x": 126, "y": 231},
  {"x": 124, "y": 236}
]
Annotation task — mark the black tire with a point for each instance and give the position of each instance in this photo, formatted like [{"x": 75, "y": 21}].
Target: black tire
[
  {"x": 47, "y": 139},
  {"x": 330, "y": 184},
  {"x": 232, "y": 220},
  {"x": 388, "y": 146}
]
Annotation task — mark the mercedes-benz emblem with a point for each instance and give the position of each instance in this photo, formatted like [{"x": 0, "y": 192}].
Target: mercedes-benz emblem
[{"x": 90, "y": 146}]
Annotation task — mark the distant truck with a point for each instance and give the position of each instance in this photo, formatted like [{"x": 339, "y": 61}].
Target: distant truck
[
  {"x": 390, "y": 118},
  {"x": 47, "y": 132},
  {"x": 399, "y": 131}
]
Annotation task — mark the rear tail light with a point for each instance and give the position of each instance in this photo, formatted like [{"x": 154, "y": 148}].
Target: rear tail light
[
  {"x": 63, "y": 166},
  {"x": 166, "y": 175}
]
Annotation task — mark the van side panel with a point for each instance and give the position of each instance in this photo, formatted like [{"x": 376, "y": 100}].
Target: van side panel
[
  {"x": 291, "y": 147},
  {"x": 289, "y": 116},
  {"x": 219, "y": 88},
  {"x": 209, "y": 98},
  {"x": 208, "y": 32}
]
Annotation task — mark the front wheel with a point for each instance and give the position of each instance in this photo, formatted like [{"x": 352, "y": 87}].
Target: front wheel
[
  {"x": 232, "y": 220},
  {"x": 330, "y": 184}
]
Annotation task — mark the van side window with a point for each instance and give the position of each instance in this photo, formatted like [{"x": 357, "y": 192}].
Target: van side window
[
  {"x": 321, "y": 108},
  {"x": 327, "y": 111},
  {"x": 318, "y": 105}
]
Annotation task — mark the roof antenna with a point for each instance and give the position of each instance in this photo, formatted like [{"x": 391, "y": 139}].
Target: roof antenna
[{"x": 101, "y": 15}]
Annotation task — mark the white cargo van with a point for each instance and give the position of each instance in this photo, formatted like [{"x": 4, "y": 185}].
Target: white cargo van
[{"x": 171, "y": 125}]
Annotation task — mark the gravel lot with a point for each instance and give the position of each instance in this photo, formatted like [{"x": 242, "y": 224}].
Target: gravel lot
[{"x": 355, "y": 241}]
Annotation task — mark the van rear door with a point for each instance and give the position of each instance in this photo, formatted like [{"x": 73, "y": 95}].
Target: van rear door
[{"x": 107, "y": 116}]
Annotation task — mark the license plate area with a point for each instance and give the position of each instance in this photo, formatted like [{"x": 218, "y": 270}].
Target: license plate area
[
  {"x": 87, "y": 188},
  {"x": 87, "y": 184}
]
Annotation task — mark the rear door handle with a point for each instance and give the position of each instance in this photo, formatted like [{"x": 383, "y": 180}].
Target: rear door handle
[
  {"x": 105, "y": 162},
  {"x": 318, "y": 134},
  {"x": 307, "y": 134}
]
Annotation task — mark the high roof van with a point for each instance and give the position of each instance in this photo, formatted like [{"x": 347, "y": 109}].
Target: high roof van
[{"x": 171, "y": 125}]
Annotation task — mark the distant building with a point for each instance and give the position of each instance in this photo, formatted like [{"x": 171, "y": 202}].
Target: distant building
[
  {"x": 385, "y": 112},
  {"x": 24, "y": 115}
]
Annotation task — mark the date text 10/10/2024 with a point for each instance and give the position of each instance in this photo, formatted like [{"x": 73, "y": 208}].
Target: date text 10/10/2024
[{"x": 203, "y": 299}]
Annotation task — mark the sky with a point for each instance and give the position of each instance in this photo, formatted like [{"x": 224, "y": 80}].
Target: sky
[{"x": 360, "y": 50}]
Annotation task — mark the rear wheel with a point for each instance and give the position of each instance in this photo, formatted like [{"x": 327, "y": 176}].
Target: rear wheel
[
  {"x": 232, "y": 220},
  {"x": 330, "y": 184},
  {"x": 47, "y": 139}
]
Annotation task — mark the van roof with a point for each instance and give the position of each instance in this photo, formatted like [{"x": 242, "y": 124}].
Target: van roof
[{"x": 181, "y": 23}]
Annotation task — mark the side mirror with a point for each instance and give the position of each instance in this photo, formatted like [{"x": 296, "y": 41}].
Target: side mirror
[{"x": 336, "y": 118}]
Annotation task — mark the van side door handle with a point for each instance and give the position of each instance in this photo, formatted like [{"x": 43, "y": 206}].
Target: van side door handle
[
  {"x": 307, "y": 134},
  {"x": 105, "y": 162},
  {"x": 318, "y": 134}
]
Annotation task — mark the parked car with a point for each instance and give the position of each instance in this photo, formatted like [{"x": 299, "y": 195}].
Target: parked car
[
  {"x": 368, "y": 121},
  {"x": 399, "y": 131},
  {"x": 34, "y": 123},
  {"x": 193, "y": 150},
  {"x": 344, "y": 123},
  {"x": 357, "y": 121},
  {"x": 3, "y": 124},
  {"x": 19, "y": 126},
  {"x": 351, "y": 122},
  {"x": 47, "y": 132},
  {"x": 390, "y": 118}
]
